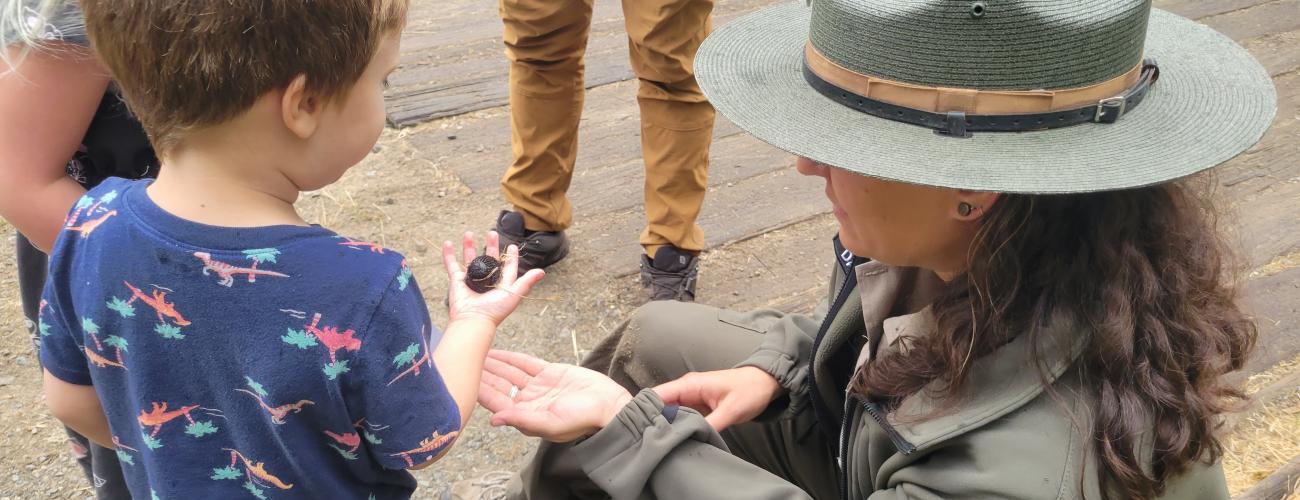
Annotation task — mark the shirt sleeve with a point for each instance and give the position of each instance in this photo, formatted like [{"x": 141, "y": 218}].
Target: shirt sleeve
[
  {"x": 404, "y": 411},
  {"x": 61, "y": 336}
]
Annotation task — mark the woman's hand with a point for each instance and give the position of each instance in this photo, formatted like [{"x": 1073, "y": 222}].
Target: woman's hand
[
  {"x": 725, "y": 397},
  {"x": 556, "y": 402},
  {"x": 497, "y": 303}
]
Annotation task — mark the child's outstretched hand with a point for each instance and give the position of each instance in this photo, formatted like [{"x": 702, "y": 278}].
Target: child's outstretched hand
[{"x": 500, "y": 300}]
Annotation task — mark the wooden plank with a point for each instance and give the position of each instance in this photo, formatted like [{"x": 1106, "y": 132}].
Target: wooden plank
[
  {"x": 786, "y": 269},
  {"x": 1278, "y": 485},
  {"x": 455, "y": 64},
  {"x": 731, "y": 212},
  {"x": 1279, "y": 16},
  {"x": 1279, "y": 53},
  {"x": 1196, "y": 9}
]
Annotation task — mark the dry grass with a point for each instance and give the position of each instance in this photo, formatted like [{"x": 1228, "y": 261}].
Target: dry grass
[{"x": 1268, "y": 438}]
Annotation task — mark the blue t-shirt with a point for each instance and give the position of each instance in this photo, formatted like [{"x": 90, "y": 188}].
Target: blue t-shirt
[{"x": 274, "y": 362}]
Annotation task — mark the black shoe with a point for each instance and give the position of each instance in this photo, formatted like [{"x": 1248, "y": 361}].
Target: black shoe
[
  {"x": 670, "y": 275},
  {"x": 537, "y": 249}
]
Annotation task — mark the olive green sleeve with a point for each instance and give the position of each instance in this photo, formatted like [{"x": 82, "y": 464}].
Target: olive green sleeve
[{"x": 642, "y": 452}]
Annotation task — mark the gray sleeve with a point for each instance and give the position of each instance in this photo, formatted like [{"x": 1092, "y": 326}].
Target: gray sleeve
[
  {"x": 640, "y": 451},
  {"x": 787, "y": 348},
  {"x": 61, "y": 23}
]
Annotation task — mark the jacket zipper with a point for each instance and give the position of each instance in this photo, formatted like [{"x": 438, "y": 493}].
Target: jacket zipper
[
  {"x": 840, "y": 296},
  {"x": 900, "y": 443},
  {"x": 843, "y": 449}
]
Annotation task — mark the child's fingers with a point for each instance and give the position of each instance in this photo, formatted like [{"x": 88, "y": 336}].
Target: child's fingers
[
  {"x": 467, "y": 247},
  {"x": 493, "y": 248},
  {"x": 530, "y": 365},
  {"x": 510, "y": 265},
  {"x": 509, "y": 374},
  {"x": 524, "y": 285},
  {"x": 449, "y": 261}
]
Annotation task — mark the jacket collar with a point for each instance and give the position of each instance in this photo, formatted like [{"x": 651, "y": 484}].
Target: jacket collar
[{"x": 1000, "y": 382}]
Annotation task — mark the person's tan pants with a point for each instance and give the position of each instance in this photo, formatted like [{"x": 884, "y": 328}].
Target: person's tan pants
[{"x": 545, "y": 41}]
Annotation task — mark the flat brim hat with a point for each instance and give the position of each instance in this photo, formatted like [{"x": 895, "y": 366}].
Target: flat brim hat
[{"x": 1007, "y": 96}]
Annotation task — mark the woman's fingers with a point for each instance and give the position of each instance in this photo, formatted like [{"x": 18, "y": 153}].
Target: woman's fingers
[
  {"x": 511, "y": 374},
  {"x": 530, "y": 365},
  {"x": 494, "y": 400},
  {"x": 497, "y": 382},
  {"x": 685, "y": 391}
]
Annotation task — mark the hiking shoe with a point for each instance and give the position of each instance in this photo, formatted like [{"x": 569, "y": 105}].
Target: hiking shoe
[
  {"x": 537, "y": 249},
  {"x": 670, "y": 275},
  {"x": 491, "y": 486}
]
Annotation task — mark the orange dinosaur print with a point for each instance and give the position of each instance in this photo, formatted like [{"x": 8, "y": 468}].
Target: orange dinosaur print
[
  {"x": 351, "y": 439},
  {"x": 100, "y": 361},
  {"x": 256, "y": 471},
  {"x": 278, "y": 412},
  {"x": 374, "y": 247},
  {"x": 158, "y": 301},
  {"x": 332, "y": 339},
  {"x": 427, "y": 445},
  {"x": 227, "y": 272},
  {"x": 158, "y": 416},
  {"x": 91, "y": 225}
]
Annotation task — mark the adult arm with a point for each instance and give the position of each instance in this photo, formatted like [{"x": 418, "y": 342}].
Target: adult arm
[{"x": 47, "y": 104}]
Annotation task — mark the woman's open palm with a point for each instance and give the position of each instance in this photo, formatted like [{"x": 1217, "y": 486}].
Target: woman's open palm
[{"x": 557, "y": 402}]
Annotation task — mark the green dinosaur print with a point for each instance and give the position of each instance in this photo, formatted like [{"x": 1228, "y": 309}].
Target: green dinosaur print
[
  {"x": 261, "y": 255},
  {"x": 256, "y": 387},
  {"x": 299, "y": 338},
  {"x": 169, "y": 331},
  {"x": 152, "y": 442},
  {"x": 257, "y": 492},
  {"x": 347, "y": 455},
  {"x": 200, "y": 429},
  {"x": 333, "y": 370},
  {"x": 404, "y": 277},
  {"x": 407, "y": 356},
  {"x": 226, "y": 473},
  {"x": 122, "y": 307}
]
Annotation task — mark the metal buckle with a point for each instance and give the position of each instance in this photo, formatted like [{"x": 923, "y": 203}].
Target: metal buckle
[{"x": 1109, "y": 101}]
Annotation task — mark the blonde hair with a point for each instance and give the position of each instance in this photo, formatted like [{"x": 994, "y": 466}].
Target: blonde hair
[{"x": 25, "y": 26}]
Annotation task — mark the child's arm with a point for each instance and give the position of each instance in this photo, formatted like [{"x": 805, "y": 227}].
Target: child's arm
[
  {"x": 475, "y": 317},
  {"x": 77, "y": 406},
  {"x": 410, "y": 388}
]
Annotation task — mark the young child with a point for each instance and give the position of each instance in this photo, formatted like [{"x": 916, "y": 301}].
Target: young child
[{"x": 223, "y": 346}]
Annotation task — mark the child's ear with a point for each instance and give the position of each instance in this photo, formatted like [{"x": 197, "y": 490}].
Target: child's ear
[{"x": 300, "y": 108}]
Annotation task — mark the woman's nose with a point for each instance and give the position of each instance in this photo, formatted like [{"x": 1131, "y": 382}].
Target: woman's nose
[{"x": 806, "y": 166}]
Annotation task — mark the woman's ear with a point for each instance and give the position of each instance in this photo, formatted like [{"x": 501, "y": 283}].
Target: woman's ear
[
  {"x": 971, "y": 205},
  {"x": 300, "y": 108}
]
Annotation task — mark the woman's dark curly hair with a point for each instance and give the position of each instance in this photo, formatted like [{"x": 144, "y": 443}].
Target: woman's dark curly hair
[{"x": 1145, "y": 270}]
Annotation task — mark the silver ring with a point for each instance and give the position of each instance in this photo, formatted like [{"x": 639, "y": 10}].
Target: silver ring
[{"x": 514, "y": 391}]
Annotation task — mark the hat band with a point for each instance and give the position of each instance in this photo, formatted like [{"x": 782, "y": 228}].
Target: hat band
[{"x": 959, "y": 111}]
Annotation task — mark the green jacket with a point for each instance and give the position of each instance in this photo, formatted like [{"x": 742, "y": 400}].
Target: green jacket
[{"x": 1009, "y": 439}]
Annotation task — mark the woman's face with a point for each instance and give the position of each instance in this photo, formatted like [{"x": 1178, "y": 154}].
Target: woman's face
[{"x": 901, "y": 224}]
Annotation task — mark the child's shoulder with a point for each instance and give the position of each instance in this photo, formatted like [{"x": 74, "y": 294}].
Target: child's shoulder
[{"x": 348, "y": 256}]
